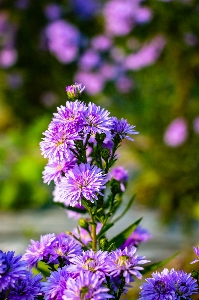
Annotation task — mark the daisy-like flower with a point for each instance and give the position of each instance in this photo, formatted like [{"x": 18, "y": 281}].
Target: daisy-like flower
[
  {"x": 83, "y": 180},
  {"x": 63, "y": 247},
  {"x": 95, "y": 262},
  {"x": 38, "y": 250},
  {"x": 56, "y": 284},
  {"x": 54, "y": 170},
  {"x": 71, "y": 115},
  {"x": 74, "y": 91},
  {"x": 196, "y": 250},
  {"x": 86, "y": 286},
  {"x": 12, "y": 268},
  {"x": 126, "y": 263},
  {"x": 122, "y": 128},
  {"x": 168, "y": 285},
  {"x": 27, "y": 288},
  {"x": 138, "y": 236},
  {"x": 57, "y": 142},
  {"x": 97, "y": 120}
]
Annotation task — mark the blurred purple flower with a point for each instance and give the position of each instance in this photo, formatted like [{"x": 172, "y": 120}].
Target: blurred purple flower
[
  {"x": 89, "y": 60},
  {"x": 196, "y": 125},
  {"x": 94, "y": 82},
  {"x": 138, "y": 236},
  {"x": 147, "y": 55},
  {"x": 176, "y": 133},
  {"x": 8, "y": 57},
  {"x": 101, "y": 42},
  {"x": 63, "y": 40},
  {"x": 85, "y": 9},
  {"x": 84, "y": 235},
  {"x": 52, "y": 11}
]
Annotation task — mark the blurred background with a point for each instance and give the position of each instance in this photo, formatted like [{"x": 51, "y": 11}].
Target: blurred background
[{"x": 138, "y": 59}]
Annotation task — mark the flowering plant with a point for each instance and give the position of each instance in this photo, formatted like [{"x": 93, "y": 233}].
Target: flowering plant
[{"x": 80, "y": 144}]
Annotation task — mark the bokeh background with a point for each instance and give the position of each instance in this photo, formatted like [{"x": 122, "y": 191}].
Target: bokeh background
[{"x": 138, "y": 59}]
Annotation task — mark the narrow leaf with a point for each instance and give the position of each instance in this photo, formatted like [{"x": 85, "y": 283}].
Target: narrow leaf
[
  {"x": 157, "y": 265},
  {"x": 104, "y": 229},
  {"x": 126, "y": 209},
  {"x": 121, "y": 237}
]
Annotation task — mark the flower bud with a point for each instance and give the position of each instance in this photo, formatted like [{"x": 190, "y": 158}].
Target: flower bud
[
  {"x": 83, "y": 223},
  {"x": 105, "y": 153},
  {"x": 74, "y": 91},
  {"x": 103, "y": 242}
]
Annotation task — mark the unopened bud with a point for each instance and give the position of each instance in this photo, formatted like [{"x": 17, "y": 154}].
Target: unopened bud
[
  {"x": 103, "y": 242},
  {"x": 105, "y": 153},
  {"x": 83, "y": 223},
  {"x": 74, "y": 91}
]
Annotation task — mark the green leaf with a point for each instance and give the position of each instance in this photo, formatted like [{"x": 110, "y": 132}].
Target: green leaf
[
  {"x": 126, "y": 209},
  {"x": 121, "y": 237},
  {"x": 157, "y": 265},
  {"x": 104, "y": 229},
  {"x": 43, "y": 268}
]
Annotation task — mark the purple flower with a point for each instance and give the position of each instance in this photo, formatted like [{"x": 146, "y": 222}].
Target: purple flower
[
  {"x": 196, "y": 250},
  {"x": 12, "y": 268},
  {"x": 37, "y": 251},
  {"x": 52, "y": 11},
  {"x": 138, "y": 236},
  {"x": 56, "y": 284},
  {"x": 86, "y": 286},
  {"x": 121, "y": 175},
  {"x": 176, "y": 133},
  {"x": 95, "y": 262},
  {"x": 54, "y": 170},
  {"x": 26, "y": 288},
  {"x": 58, "y": 141},
  {"x": 122, "y": 128},
  {"x": 85, "y": 181},
  {"x": 126, "y": 263},
  {"x": 97, "y": 120},
  {"x": 63, "y": 247},
  {"x": 94, "y": 81},
  {"x": 169, "y": 285}
]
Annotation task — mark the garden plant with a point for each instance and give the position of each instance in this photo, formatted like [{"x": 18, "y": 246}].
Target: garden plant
[{"x": 81, "y": 144}]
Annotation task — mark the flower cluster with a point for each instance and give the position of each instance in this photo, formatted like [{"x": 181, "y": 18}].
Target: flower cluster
[{"x": 80, "y": 144}]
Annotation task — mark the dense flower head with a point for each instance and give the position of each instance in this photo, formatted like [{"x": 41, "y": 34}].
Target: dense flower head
[
  {"x": 83, "y": 180},
  {"x": 56, "y": 284},
  {"x": 97, "y": 120},
  {"x": 86, "y": 286},
  {"x": 196, "y": 250},
  {"x": 168, "y": 285},
  {"x": 38, "y": 250},
  {"x": 126, "y": 263},
  {"x": 54, "y": 170},
  {"x": 90, "y": 261},
  {"x": 122, "y": 128},
  {"x": 138, "y": 236},
  {"x": 27, "y": 288},
  {"x": 12, "y": 268},
  {"x": 58, "y": 141},
  {"x": 63, "y": 247}
]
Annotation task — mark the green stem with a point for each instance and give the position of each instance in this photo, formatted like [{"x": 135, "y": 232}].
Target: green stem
[{"x": 94, "y": 236}]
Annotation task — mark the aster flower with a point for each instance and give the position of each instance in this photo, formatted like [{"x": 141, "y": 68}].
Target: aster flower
[
  {"x": 71, "y": 115},
  {"x": 74, "y": 91},
  {"x": 95, "y": 262},
  {"x": 63, "y": 247},
  {"x": 138, "y": 236},
  {"x": 27, "y": 288},
  {"x": 86, "y": 286},
  {"x": 169, "y": 285},
  {"x": 56, "y": 284},
  {"x": 12, "y": 268},
  {"x": 122, "y": 128},
  {"x": 83, "y": 180},
  {"x": 126, "y": 263},
  {"x": 38, "y": 250},
  {"x": 158, "y": 287},
  {"x": 196, "y": 250},
  {"x": 58, "y": 141},
  {"x": 97, "y": 120},
  {"x": 54, "y": 169}
]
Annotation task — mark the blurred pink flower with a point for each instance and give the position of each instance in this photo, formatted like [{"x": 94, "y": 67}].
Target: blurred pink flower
[
  {"x": 196, "y": 125},
  {"x": 176, "y": 133}
]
